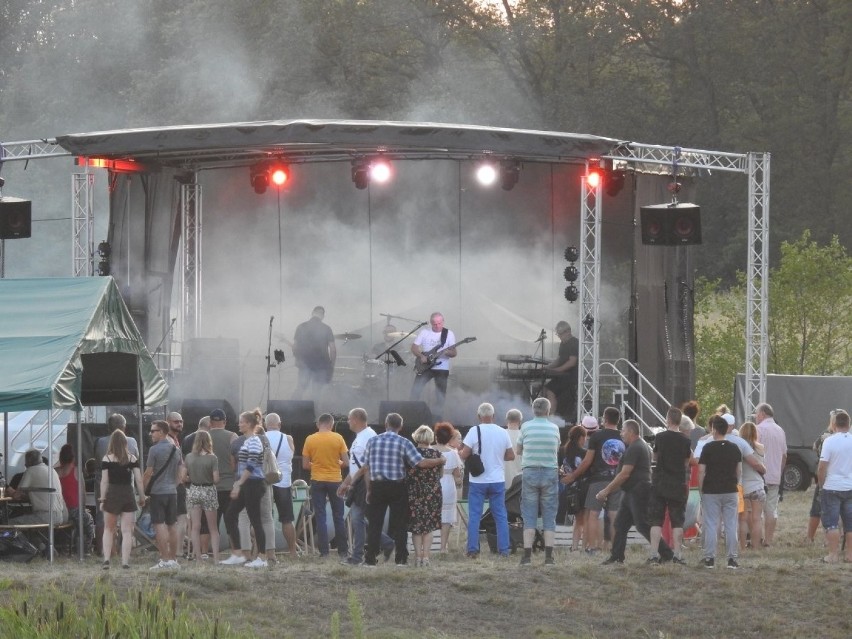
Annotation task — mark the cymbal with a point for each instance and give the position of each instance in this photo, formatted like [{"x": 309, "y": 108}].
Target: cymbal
[
  {"x": 347, "y": 336},
  {"x": 398, "y": 334}
]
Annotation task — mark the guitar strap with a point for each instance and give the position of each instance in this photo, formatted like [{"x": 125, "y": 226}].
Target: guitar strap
[{"x": 444, "y": 332}]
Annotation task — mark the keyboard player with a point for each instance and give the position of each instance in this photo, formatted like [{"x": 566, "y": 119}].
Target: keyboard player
[{"x": 561, "y": 390}]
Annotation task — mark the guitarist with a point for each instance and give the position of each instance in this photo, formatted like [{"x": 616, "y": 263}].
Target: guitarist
[
  {"x": 428, "y": 340},
  {"x": 315, "y": 352}
]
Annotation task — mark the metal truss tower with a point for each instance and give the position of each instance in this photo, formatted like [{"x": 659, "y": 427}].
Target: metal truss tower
[
  {"x": 590, "y": 288},
  {"x": 190, "y": 210},
  {"x": 83, "y": 224}
]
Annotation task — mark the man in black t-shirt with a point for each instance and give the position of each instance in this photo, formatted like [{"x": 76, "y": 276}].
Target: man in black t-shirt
[
  {"x": 634, "y": 478},
  {"x": 600, "y": 464},
  {"x": 562, "y": 389},
  {"x": 719, "y": 472},
  {"x": 315, "y": 352},
  {"x": 672, "y": 454}
]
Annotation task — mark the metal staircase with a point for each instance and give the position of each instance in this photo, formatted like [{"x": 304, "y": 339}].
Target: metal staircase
[{"x": 634, "y": 395}]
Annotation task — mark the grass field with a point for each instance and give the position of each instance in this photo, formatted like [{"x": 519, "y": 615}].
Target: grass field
[{"x": 784, "y": 591}]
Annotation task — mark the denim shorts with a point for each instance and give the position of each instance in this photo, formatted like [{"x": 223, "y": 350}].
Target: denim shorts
[{"x": 836, "y": 506}]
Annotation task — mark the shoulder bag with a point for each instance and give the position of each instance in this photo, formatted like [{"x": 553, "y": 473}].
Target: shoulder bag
[
  {"x": 159, "y": 472},
  {"x": 271, "y": 472},
  {"x": 474, "y": 461}
]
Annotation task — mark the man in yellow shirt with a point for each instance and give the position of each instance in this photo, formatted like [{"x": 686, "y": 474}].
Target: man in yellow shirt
[{"x": 325, "y": 455}]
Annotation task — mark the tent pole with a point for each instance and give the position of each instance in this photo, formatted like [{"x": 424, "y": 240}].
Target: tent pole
[
  {"x": 52, "y": 489},
  {"x": 81, "y": 486},
  {"x": 140, "y": 407}
]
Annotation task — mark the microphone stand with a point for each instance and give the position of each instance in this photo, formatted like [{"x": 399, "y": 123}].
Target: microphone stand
[
  {"x": 541, "y": 338},
  {"x": 392, "y": 357}
]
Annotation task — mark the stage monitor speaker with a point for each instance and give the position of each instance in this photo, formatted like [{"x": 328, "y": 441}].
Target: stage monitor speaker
[
  {"x": 414, "y": 414},
  {"x": 293, "y": 412},
  {"x": 15, "y": 218},
  {"x": 192, "y": 410},
  {"x": 671, "y": 225}
]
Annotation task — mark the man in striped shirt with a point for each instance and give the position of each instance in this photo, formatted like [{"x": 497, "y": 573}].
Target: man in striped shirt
[{"x": 538, "y": 446}]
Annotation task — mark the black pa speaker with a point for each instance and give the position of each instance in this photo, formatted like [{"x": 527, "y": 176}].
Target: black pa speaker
[
  {"x": 192, "y": 410},
  {"x": 413, "y": 414},
  {"x": 15, "y": 218},
  {"x": 293, "y": 412},
  {"x": 671, "y": 224}
]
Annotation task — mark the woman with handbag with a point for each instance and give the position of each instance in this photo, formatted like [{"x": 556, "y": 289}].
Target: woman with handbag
[
  {"x": 120, "y": 470},
  {"x": 249, "y": 489},
  {"x": 573, "y": 496},
  {"x": 451, "y": 481}
]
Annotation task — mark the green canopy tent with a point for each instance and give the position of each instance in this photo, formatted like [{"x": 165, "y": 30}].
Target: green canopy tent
[{"x": 66, "y": 343}]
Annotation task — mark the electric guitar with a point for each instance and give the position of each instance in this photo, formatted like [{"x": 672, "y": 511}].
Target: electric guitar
[{"x": 433, "y": 355}]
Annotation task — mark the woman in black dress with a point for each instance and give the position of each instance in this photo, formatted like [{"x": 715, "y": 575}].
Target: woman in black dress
[
  {"x": 120, "y": 469},
  {"x": 424, "y": 497}
]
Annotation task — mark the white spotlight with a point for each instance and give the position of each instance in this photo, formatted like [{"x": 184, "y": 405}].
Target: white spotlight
[
  {"x": 380, "y": 171},
  {"x": 486, "y": 174}
]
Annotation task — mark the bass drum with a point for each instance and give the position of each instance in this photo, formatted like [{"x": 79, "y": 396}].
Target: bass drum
[{"x": 374, "y": 369}]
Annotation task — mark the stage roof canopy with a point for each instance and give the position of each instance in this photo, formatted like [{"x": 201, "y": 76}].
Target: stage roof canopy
[
  {"x": 194, "y": 147},
  {"x": 70, "y": 342}
]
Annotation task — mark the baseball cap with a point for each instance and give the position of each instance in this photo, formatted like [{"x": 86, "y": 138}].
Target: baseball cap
[
  {"x": 589, "y": 423},
  {"x": 729, "y": 419},
  {"x": 218, "y": 415}
]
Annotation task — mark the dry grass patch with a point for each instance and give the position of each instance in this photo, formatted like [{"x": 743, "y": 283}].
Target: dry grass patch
[{"x": 783, "y": 591}]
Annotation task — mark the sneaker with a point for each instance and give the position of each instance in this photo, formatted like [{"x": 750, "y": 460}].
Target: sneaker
[
  {"x": 549, "y": 561},
  {"x": 233, "y": 560},
  {"x": 367, "y": 564},
  {"x": 732, "y": 564},
  {"x": 708, "y": 562},
  {"x": 105, "y": 565},
  {"x": 653, "y": 561},
  {"x": 171, "y": 564},
  {"x": 387, "y": 552},
  {"x": 160, "y": 565},
  {"x": 424, "y": 563},
  {"x": 472, "y": 554},
  {"x": 678, "y": 561},
  {"x": 402, "y": 564},
  {"x": 611, "y": 560},
  {"x": 526, "y": 561},
  {"x": 125, "y": 566},
  {"x": 257, "y": 563}
]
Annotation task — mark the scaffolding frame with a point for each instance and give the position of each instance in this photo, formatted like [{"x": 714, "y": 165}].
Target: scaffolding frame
[
  {"x": 82, "y": 224},
  {"x": 589, "y": 298}
]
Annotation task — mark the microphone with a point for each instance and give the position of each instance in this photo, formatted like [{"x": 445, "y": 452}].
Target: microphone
[
  {"x": 542, "y": 337},
  {"x": 271, "y": 319}
]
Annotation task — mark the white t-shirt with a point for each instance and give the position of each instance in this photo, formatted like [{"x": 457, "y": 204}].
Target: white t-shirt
[
  {"x": 285, "y": 456},
  {"x": 495, "y": 442},
  {"x": 427, "y": 339},
  {"x": 358, "y": 449},
  {"x": 837, "y": 452},
  {"x": 448, "y": 482}
]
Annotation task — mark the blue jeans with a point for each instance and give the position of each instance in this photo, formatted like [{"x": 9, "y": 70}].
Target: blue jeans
[
  {"x": 540, "y": 491},
  {"x": 320, "y": 491},
  {"x": 496, "y": 495},
  {"x": 716, "y": 509},
  {"x": 358, "y": 518},
  {"x": 836, "y": 506}
]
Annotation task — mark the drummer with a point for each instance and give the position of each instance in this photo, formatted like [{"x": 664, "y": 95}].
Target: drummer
[{"x": 389, "y": 336}]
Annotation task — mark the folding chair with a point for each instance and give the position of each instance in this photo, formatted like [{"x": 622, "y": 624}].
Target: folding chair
[{"x": 301, "y": 492}]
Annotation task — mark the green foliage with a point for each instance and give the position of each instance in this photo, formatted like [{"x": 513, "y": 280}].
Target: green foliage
[
  {"x": 810, "y": 320},
  {"x": 53, "y": 614}
]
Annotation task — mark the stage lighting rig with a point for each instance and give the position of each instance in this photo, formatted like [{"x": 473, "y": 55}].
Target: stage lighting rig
[
  {"x": 366, "y": 170},
  {"x": 486, "y": 173},
  {"x": 265, "y": 173},
  {"x": 510, "y": 171}
]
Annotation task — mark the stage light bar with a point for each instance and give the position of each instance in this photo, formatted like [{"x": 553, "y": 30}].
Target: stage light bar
[
  {"x": 594, "y": 176},
  {"x": 265, "y": 173},
  {"x": 380, "y": 171},
  {"x": 279, "y": 174}
]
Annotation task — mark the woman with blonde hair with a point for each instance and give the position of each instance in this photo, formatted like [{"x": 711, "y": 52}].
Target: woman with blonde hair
[
  {"x": 424, "y": 497},
  {"x": 120, "y": 470},
  {"x": 248, "y": 491},
  {"x": 202, "y": 469},
  {"x": 754, "y": 494}
]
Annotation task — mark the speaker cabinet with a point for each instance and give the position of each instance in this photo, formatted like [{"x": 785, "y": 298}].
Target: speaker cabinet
[
  {"x": 413, "y": 414},
  {"x": 15, "y": 218},
  {"x": 192, "y": 410},
  {"x": 293, "y": 412},
  {"x": 671, "y": 225}
]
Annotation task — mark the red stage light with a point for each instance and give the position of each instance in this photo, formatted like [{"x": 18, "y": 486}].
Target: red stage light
[
  {"x": 380, "y": 171},
  {"x": 280, "y": 175},
  {"x": 594, "y": 177}
]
